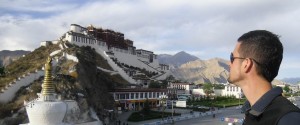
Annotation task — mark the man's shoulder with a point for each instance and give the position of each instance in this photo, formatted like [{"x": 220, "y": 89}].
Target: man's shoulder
[
  {"x": 283, "y": 102},
  {"x": 287, "y": 112},
  {"x": 283, "y": 105},
  {"x": 291, "y": 118}
]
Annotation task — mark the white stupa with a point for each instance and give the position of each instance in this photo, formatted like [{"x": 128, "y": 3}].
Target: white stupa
[{"x": 46, "y": 109}]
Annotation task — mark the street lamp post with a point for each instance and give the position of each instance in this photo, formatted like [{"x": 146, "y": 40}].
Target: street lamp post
[
  {"x": 163, "y": 100},
  {"x": 172, "y": 112},
  {"x": 239, "y": 99},
  {"x": 172, "y": 108},
  {"x": 240, "y": 96}
]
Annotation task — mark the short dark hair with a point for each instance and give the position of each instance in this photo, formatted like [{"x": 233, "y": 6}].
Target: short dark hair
[{"x": 264, "y": 47}]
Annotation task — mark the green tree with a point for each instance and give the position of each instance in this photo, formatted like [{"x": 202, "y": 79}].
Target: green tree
[
  {"x": 158, "y": 84},
  {"x": 208, "y": 89},
  {"x": 286, "y": 88},
  {"x": 146, "y": 109},
  {"x": 164, "y": 84},
  {"x": 218, "y": 86},
  {"x": 154, "y": 84},
  {"x": 189, "y": 101},
  {"x": 170, "y": 78},
  {"x": 2, "y": 72}
]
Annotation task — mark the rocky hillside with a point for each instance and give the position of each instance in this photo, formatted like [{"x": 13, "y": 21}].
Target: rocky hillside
[
  {"x": 203, "y": 71},
  {"x": 80, "y": 81},
  {"x": 6, "y": 56}
]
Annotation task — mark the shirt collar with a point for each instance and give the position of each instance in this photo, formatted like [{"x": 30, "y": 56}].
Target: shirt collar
[{"x": 259, "y": 107}]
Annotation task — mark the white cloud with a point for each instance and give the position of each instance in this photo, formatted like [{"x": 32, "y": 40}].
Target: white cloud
[
  {"x": 36, "y": 5},
  {"x": 207, "y": 29}
]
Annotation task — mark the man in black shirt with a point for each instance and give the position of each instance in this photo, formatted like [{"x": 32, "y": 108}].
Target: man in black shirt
[{"x": 254, "y": 64}]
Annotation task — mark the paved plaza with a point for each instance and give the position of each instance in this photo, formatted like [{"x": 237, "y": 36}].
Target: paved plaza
[
  {"x": 229, "y": 114},
  {"x": 189, "y": 119}
]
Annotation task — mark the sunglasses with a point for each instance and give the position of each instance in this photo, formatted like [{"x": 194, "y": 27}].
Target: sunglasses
[{"x": 232, "y": 58}]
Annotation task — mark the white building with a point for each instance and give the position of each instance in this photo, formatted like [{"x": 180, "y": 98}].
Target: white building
[
  {"x": 134, "y": 99},
  {"x": 198, "y": 92},
  {"x": 229, "y": 90},
  {"x": 142, "y": 80},
  {"x": 187, "y": 87},
  {"x": 294, "y": 88},
  {"x": 178, "y": 90}
]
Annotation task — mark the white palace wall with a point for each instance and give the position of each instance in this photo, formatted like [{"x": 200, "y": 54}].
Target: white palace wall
[
  {"x": 164, "y": 76},
  {"x": 115, "y": 66},
  {"x": 9, "y": 94},
  {"x": 132, "y": 60},
  {"x": 27, "y": 79}
]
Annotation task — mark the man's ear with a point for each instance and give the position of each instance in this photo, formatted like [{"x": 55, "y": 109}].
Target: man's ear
[{"x": 247, "y": 65}]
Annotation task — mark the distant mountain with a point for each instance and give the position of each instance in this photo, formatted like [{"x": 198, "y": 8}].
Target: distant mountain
[
  {"x": 186, "y": 67},
  {"x": 291, "y": 80},
  {"x": 7, "y": 56},
  {"x": 190, "y": 68},
  {"x": 203, "y": 71},
  {"x": 177, "y": 59}
]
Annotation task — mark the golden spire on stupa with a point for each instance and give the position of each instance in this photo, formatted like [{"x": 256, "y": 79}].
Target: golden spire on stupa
[{"x": 48, "y": 87}]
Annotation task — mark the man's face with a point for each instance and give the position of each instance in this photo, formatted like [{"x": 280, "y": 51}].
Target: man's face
[{"x": 235, "y": 66}]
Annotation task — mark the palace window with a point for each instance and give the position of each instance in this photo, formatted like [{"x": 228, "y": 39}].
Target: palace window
[
  {"x": 150, "y": 94},
  {"x": 122, "y": 96},
  {"x": 127, "y": 95},
  {"x": 141, "y": 95},
  {"x": 117, "y": 97},
  {"x": 131, "y": 95}
]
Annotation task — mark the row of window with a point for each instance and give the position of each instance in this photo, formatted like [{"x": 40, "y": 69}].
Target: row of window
[
  {"x": 232, "y": 88},
  {"x": 87, "y": 40},
  {"x": 83, "y": 40},
  {"x": 143, "y": 56},
  {"x": 164, "y": 67},
  {"x": 138, "y": 95},
  {"x": 144, "y": 52},
  {"x": 179, "y": 86}
]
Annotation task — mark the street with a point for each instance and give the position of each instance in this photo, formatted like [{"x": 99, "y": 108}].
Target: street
[
  {"x": 227, "y": 112},
  {"x": 223, "y": 118},
  {"x": 231, "y": 112}
]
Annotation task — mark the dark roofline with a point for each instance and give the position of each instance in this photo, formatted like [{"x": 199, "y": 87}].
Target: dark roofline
[
  {"x": 182, "y": 83},
  {"x": 78, "y": 26},
  {"x": 138, "y": 90},
  {"x": 75, "y": 25},
  {"x": 144, "y": 50}
]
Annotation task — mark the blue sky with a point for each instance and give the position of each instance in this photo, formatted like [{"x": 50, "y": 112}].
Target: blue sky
[{"x": 206, "y": 29}]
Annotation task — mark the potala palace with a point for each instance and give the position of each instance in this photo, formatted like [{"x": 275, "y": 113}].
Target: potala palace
[{"x": 120, "y": 51}]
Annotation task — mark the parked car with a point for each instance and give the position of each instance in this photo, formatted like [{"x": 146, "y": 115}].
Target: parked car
[{"x": 203, "y": 107}]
